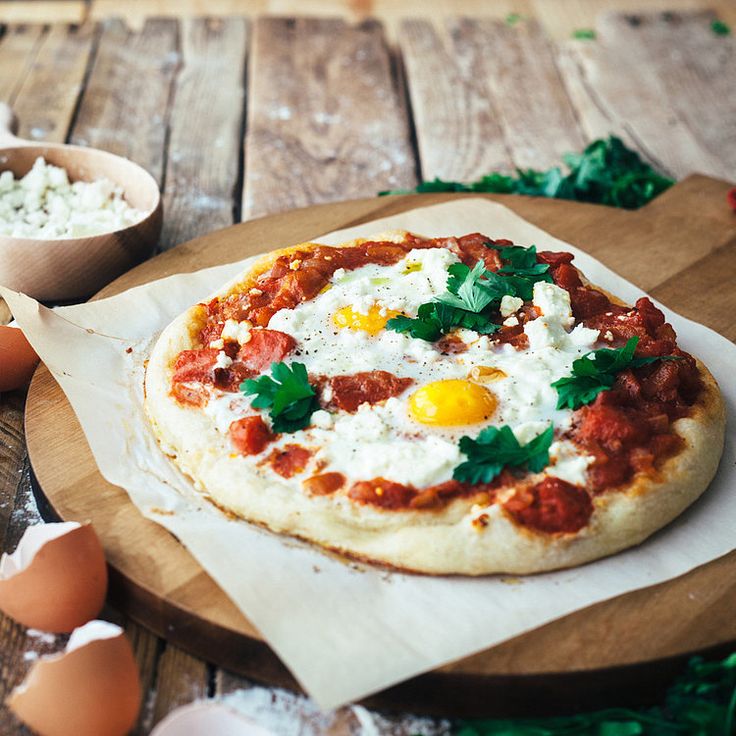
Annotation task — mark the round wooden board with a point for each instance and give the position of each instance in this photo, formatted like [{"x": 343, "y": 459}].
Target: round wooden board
[{"x": 623, "y": 649}]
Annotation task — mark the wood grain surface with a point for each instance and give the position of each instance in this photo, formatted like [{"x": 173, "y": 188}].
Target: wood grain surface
[
  {"x": 125, "y": 89},
  {"x": 160, "y": 584}
]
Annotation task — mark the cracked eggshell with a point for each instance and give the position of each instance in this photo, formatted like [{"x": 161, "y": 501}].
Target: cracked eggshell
[
  {"x": 207, "y": 717},
  {"x": 92, "y": 688},
  {"x": 18, "y": 359},
  {"x": 56, "y": 579}
]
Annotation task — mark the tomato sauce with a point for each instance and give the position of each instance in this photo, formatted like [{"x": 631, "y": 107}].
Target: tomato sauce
[
  {"x": 250, "y": 435},
  {"x": 552, "y": 506}
]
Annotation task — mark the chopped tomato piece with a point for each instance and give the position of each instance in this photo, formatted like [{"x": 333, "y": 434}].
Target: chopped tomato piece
[
  {"x": 349, "y": 392},
  {"x": 289, "y": 460},
  {"x": 250, "y": 435},
  {"x": 265, "y": 347},
  {"x": 195, "y": 365}
]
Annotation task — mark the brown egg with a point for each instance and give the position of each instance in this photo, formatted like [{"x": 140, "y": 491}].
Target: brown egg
[
  {"x": 18, "y": 359},
  {"x": 90, "y": 689},
  {"x": 208, "y": 717},
  {"x": 56, "y": 579}
]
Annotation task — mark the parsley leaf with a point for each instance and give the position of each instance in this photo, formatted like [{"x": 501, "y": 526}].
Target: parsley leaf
[
  {"x": 720, "y": 28},
  {"x": 472, "y": 289},
  {"x": 495, "y": 448},
  {"x": 606, "y": 172},
  {"x": 521, "y": 269},
  {"x": 287, "y": 395},
  {"x": 596, "y": 371}
]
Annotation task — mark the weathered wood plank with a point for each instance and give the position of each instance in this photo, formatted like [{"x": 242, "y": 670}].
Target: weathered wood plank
[
  {"x": 125, "y": 106},
  {"x": 697, "y": 70},
  {"x": 181, "y": 679},
  {"x": 486, "y": 96},
  {"x": 324, "y": 120},
  {"x": 532, "y": 104},
  {"x": 18, "y": 48},
  {"x": 12, "y": 454},
  {"x": 203, "y": 163},
  {"x": 43, "y": 11},
  {"x": 457, "y": 129},
  {"x": 47, "y": 97},
  {"x": 643, "y": 73}
]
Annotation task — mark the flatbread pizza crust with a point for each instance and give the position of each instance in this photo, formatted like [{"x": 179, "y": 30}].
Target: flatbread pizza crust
[{"x": 443, "y": 541}]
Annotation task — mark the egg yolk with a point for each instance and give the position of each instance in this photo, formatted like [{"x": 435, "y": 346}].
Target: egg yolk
[
  {"x": 451, "y": 402},
  {"x": 372, "y": 322}
]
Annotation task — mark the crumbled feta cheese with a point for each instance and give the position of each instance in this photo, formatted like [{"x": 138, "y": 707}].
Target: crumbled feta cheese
[
  {"x": 217, "y": 344},
  {"x": 223, "y": 360},
  {"x": 553, "y": 302},
  {"x": 511, "y": 321},
  {"x": 608, "y": 335},
  {"x": 238, "y": 331},
  {"x": 510, "y": 304},
  {"x": 45, "y": 205}
]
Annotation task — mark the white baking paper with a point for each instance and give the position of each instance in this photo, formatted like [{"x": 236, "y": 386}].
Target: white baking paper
[{"x": 346, "y": 633}]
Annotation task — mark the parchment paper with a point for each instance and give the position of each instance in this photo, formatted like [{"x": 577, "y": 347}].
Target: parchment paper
[{"x": 346, "y": 633}]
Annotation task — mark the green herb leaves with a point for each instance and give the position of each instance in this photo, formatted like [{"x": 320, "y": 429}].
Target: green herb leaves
[
  {"x": 596, "y": 371},
  {"x": 521, "y": 270},
  {"x": 288, "y": 396},
  {"x": 474, "y": 294},
  {"x": 607, "y": 172},
  {"x": 496, "y": 448},
  {"x": 435, "y": 319},
  {"x": 467, "y": 303}
]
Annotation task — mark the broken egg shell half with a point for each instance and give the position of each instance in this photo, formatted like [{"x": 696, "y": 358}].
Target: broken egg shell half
[
  {"x": 92, "y": 688},
  {"x": 18, "y": 359},
  {"x": 206, "y": 717},
  {"x": 56, "y": 579}
]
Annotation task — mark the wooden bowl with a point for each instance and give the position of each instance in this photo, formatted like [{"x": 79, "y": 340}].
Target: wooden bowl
[{"x": 72, "y": 268}]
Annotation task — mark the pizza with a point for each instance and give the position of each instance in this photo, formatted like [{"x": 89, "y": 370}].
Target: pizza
[{"x": 455, "y": 405}]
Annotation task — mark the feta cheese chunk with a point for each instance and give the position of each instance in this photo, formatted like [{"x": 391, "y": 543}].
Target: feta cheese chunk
[
  {"x": 510, "y": 304},
  {"x": 45, "y": 205}
]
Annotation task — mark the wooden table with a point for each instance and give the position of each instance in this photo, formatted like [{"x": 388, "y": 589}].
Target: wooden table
[{"x": 240, "y": 117}]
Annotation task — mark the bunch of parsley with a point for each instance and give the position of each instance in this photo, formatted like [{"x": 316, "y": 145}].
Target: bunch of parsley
[
  {"x": 606, "y": 172},
  {"x": 702, "y": 702}
]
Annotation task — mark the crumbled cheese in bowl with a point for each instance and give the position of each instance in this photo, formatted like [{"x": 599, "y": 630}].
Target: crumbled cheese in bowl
[{"x": 45, "y": 205}]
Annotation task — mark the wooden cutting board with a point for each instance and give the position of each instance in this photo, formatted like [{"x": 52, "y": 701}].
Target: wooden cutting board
[{"x": 681, "y": 249}]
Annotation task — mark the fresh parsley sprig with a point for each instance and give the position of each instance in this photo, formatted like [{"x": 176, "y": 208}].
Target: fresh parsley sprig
[
  {"x": 474, "y": 294},
  {"x": 521, "y": 270},
  {"x": 468, "y": 303},
  {"x": 287, "y": 394},
  {"x": 596, "y": 372},
  {"x": 435, "y": 319},
  {"x": 496, "y": 448}
]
